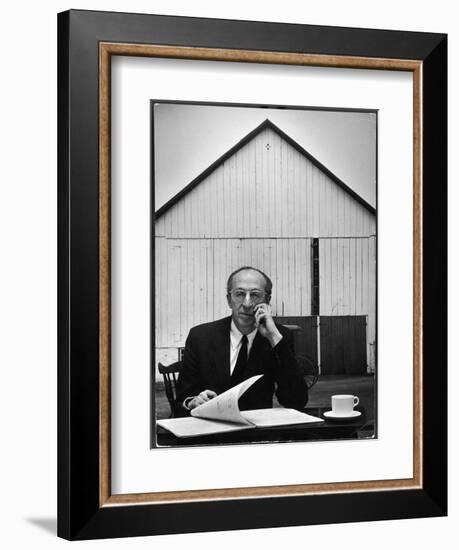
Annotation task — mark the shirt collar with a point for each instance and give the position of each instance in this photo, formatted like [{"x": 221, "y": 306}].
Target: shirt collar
[{"x": 236, "y": 335}]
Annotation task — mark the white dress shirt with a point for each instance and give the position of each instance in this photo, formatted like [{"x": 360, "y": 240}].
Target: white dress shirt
[{"x": 236, "y": 339}]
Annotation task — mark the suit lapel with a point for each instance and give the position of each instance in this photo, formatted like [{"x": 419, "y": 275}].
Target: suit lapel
[
  {"x": 258, "y": 351},
  {"x": 222, "y": 353}
]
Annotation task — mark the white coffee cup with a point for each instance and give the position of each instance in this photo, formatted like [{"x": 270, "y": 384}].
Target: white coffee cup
[{"x": 343, "y": 405}]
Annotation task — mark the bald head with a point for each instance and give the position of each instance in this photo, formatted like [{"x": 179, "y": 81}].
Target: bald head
[{"x": 250, "y": 272}]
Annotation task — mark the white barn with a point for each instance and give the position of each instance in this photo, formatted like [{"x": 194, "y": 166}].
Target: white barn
[{"x": 268, "y": 203}]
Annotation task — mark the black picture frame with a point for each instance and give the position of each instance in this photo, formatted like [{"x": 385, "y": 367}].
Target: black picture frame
[{"x": 83, "y": 510}]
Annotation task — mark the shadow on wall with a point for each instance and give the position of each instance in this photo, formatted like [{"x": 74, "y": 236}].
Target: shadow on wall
[{"x": 45, "y": 524}]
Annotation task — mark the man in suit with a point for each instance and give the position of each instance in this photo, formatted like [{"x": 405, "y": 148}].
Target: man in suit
[{"x": 221, "y": 354}]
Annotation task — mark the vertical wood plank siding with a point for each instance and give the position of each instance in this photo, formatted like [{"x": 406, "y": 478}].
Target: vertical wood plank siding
[
  {"x": 260, "y": 192},
  {"x": 262, "y": 207},
  {"x": 192, "y": 288}
]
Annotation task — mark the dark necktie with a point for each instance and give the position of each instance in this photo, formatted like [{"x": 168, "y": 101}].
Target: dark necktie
[{"x": 239, "y": 370}]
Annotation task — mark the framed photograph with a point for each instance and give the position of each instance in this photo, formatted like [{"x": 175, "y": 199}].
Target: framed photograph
[
  {"x": 269, "y": 204},
  {"x": 252, "y": 274}
]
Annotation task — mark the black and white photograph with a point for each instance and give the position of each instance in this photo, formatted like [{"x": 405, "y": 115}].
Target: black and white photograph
[{"x": 264, "y": 249}]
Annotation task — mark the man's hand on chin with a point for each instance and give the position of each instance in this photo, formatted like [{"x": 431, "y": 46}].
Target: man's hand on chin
[{"x": 265, "y": 324}]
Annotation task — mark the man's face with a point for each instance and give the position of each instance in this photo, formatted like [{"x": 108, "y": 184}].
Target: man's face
[{"x": 241, "y": 302}]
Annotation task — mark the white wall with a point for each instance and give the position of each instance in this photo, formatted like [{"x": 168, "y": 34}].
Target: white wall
[{"x": 28, "y": 274}]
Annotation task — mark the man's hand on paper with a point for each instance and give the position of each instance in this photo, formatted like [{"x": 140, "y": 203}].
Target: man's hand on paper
[{"x": 203, "y": 397}]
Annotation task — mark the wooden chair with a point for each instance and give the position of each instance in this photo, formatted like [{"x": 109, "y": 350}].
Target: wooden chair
[
  {"x": 170, "y": 375},
  {"x": 306, "y": 363},
  {"x": 310, "y": 369}
]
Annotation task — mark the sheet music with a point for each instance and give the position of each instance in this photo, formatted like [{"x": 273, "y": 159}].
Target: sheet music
[
  {"x": 190, "y": 427},
  {"x": 278, "y": 417},
  {"x": 225, "y": 406}
]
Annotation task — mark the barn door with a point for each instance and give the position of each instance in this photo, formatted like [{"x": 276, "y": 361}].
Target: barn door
[{"x": 343, "y": 346}]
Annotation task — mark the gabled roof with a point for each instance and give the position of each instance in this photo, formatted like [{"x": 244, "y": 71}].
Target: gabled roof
[{"x": 263, "y": 126}]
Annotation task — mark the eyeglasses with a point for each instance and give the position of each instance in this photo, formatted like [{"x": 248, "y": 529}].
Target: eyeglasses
[{"x": 255, "y": 296}]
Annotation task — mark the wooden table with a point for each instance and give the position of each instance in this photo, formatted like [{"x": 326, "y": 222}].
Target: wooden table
[{"x": 357, "y": 428}]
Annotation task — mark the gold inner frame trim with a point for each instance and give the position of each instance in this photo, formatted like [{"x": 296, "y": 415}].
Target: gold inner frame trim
[{"x": 106, "y": 50}]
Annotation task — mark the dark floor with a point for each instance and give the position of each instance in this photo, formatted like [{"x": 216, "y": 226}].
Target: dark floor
[{"x": 319, "y": 394}]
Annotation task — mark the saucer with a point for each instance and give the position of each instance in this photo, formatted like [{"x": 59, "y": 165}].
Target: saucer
[{"x": 331, "y": 414}]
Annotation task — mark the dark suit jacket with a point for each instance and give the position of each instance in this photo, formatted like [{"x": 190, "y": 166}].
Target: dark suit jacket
[{"x": 206, "y": 366}]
